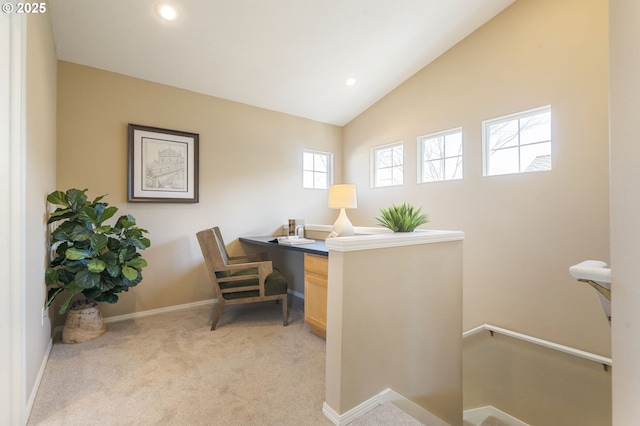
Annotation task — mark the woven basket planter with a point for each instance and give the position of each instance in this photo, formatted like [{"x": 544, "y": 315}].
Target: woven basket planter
[{"x": 83, "y": 325}]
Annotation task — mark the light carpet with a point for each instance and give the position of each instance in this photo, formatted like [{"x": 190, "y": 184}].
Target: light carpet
[{"x": 170, "y": 369}]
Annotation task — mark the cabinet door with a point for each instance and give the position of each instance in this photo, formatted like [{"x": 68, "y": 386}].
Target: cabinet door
[{"x": 315, "y": 293}]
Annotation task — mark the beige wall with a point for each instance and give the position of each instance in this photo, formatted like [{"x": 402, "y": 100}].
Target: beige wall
[
  {"x": 394, "y": 316},
  {"x": 250, "y": 172},
  {"x": 522, "y": 231},
  {"x": 625, "y": 205},
  {"x": 40, "y": 177}
]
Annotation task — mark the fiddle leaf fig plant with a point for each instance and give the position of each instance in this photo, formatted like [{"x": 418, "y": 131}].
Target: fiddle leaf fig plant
[
  {"x": 402, "y": 218},
  {"x": 91, "y": 257}
]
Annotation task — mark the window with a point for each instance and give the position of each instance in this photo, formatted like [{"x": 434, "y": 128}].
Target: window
[
  {"x": 317, "y": 169},
  {"x": 518, "y": 143},
  {"x": 387, "y": 165},
  {"x": 440, "y": 156}
]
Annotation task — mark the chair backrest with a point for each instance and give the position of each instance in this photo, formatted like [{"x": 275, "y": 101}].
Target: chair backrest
[
  {"x": 213, "y": 258},
  {"x": 222, "y": 248}
]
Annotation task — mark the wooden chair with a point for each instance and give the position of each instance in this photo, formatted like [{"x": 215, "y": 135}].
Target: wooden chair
[{"x": 240, "y": 279}]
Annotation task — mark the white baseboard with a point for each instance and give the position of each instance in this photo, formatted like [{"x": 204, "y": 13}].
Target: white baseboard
[
  {"x": 173, "y": 308},
  {"x": 36, "y": 385},
  {"x": 387, "y": 395},
  {"x": 296, "y": 294},
  {"x": 159, "y": 311},
  {"x": 150, "y": 312},
  {"x": 477, "y": 415},
  {"x": 351, "y": 415}
]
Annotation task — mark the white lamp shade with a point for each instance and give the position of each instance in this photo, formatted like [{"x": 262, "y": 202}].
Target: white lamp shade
[{"x": 343, "y": 197}]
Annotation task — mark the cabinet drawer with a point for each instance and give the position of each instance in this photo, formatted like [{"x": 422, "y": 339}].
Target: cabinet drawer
[{"x": 318, "y": 265}]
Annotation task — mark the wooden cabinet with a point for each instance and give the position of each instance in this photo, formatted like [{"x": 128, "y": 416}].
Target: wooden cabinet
[{"x": 316, "y": 270}]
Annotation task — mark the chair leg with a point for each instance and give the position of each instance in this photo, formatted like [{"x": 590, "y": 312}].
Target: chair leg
[
  {"x": 216, "y": 314},
  {"x": 285, "y": 316}
]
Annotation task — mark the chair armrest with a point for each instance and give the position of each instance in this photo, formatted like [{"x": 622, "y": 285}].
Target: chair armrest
[
  {"x": 249, "y": 257},
  {"x": 264, "y": 269},
  {"x": 266, "y": 265}
]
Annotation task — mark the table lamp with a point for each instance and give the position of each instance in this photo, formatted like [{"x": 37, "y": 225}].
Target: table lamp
[{"x": 342, "y": 197}]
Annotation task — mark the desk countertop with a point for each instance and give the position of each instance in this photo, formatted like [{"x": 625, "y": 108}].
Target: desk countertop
[{"x": 318, "y": 247}]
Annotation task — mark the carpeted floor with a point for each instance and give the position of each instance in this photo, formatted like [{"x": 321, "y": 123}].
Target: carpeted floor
[{"x": 170, "y": 369}]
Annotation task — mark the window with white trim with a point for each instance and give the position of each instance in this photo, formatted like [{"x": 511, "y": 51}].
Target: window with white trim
[
  {"x": 387, "y": 165},
  {"x": 440, "y": 156},
  {"x": 517, "y": 143},
  {"x": 317, "y": 169}
]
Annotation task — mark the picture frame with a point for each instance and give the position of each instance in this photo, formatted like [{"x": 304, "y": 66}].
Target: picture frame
[{"x": 162, "y": 165}]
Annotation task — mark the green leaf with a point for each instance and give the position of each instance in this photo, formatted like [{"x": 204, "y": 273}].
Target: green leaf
[
  {"x": 130, "y": 273},
  {"x": 114, "y": 271},
  {"x": 72, "y": 290},
  {"x": 62, "y": 248},
  {"x": 88, "y": 214},
  {"x": 107, "y": 297},
  {"x": 85, "y": 279},
  {"x": 58, "y": 198},
  {"x": 108, "y": 213},
  {"x": 135, "y": 243},
  {"x": 65, "y": 305},
  {"x": 51, "y": 294},
  {"x": 65, "y": 276},
  {"x": 80, "y": 233},
  {"x": 61, "y": 212},
  {"x": 137, "y": 263},
  {"x": 102, "y": 229},
  {"x": 96, "y": 266},
  {"x": 51, "y": 276},
  {"x": 98, "y": 243},
  {"x": 109, "y": 258},
  {"x": 126, "y": 221},
  {"x": 77, "y": 198},
  {"x": 77, "y": 254},
  {"x": 98, "y": 199}
]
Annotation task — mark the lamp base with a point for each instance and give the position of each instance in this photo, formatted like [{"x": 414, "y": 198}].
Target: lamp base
[{"x": 343, "y": 227}]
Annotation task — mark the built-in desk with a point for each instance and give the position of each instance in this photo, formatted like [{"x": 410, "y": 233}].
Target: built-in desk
[
  {"x": 318, "y": 247},
  {"x": 316, "y": 272}
]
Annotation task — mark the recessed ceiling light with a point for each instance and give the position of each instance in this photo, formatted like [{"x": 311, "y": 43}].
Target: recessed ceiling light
[
  {"x": 350, "y": 81},
  {"x": 167, "y": 12}
]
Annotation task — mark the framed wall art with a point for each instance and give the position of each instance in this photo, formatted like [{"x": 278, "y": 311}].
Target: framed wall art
[{"x": 163, "y": 165}]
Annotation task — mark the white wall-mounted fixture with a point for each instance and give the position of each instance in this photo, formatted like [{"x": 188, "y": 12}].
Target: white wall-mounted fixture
[
  {"x": 598, "y": 275},
  {"x": 343, "y": 197}
]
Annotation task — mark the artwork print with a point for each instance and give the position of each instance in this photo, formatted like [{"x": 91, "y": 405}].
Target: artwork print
[{"x": 163, "y": 165}]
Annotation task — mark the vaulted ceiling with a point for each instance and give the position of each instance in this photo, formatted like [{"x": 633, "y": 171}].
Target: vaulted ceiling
[{"x": 291, "y": 56}]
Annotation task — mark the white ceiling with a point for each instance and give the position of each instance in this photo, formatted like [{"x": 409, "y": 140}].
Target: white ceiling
[{"x": 291, "y": 56}]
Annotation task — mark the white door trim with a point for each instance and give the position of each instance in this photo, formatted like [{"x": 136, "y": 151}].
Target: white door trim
[{"x": 12, "y": 231}]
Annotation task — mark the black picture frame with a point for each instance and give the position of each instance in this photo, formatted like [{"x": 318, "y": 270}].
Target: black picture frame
[{"x": 163, "y": 165}]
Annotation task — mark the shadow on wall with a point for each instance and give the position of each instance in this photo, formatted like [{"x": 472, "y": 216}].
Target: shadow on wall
[{"x": 534, "y": 384}]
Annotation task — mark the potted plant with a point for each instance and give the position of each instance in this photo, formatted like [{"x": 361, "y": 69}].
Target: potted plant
[
  {"x": 402, "y": 218},
  {"x": 91, "y": 258}
]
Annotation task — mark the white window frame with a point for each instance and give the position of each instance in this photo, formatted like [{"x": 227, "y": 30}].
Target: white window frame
[
  {"x": 421, "y": 161},
  {"x": 329, "y": 172},
  {"x": 486, "y": 150},
  {"x": 374, "y": 164}
]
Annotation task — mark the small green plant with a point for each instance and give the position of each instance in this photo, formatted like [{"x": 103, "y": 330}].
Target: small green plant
[
  {"x": 92, "y": 258},
  {"x": 402, "y": 218}
]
